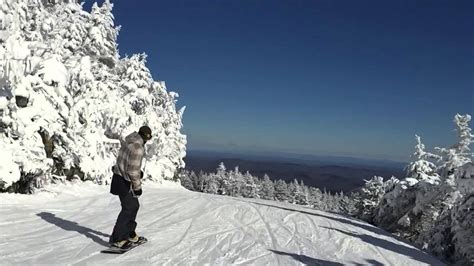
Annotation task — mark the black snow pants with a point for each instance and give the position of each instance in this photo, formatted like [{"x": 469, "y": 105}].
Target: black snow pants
[{"x": 125, "y": 224}]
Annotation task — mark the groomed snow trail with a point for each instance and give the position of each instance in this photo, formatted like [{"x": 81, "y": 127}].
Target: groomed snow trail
[{"x": 187, "y": 228}]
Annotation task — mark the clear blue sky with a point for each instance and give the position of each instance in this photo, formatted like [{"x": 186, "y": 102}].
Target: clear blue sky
[{"x": 355, "y": 78}]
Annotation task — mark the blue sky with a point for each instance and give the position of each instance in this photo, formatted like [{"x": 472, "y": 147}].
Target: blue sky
[{"x": 355, "y": 78}]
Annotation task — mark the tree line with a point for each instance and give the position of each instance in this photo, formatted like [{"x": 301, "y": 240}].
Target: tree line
[{"x": 237, "y": 184}]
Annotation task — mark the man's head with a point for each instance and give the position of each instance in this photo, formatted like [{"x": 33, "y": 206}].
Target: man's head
[{"x": 145, "y": 133}]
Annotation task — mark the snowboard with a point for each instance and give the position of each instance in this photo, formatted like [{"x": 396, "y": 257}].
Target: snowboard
[{"x": 116, "y": 250}]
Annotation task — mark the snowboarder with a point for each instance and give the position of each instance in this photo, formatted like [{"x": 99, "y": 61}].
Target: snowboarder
[{"x": 126, "y": 183}]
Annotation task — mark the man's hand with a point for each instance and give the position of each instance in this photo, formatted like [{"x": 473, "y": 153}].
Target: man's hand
[{"x": 137, "y": 192}]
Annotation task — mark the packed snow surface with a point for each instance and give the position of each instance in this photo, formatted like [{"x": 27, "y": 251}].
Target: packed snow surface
[{"x": 69, "y": 225}]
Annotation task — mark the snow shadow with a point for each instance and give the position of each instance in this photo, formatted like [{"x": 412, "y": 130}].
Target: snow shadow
[
  {"x": 370, "y": 262},
  {"x": 390, "y": 246},
  {"x": 5, "y": 92},
  {"x": 305, "y": 259},
  {"x": 73, "y": 226}
]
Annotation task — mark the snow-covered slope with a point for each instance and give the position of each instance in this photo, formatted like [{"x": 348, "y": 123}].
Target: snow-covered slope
[{"x": 70, "y": 224}]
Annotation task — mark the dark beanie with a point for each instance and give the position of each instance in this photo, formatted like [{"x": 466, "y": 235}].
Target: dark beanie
[{"x": 145, "y": 132}]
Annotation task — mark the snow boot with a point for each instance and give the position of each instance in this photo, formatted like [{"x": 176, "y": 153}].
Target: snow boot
[
  {"x": 123, "y": 244},
  {"x": 135, "y": 239}
]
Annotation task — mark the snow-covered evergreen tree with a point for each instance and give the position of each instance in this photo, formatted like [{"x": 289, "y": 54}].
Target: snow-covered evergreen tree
[
  {"x": 136, "y": 83},
  {"x": 212, "y": 184},
  {"x": 370, "y": 198},
  {"x": 225, "y": 180},
  {"x": 292, "y": 191},
  {"x": 432, "y": 206},
  {"x": 315, "y": 198},
  {"x": 221, "y": 169},
  {"x": 463, "y": 216},
  {"x": 199, "y": 181},
  {"x": 68, "y": 99},
  {"x": 348, "y": 204},
  {"x": 267, "y": 190},
  {"x": 250, "y": 188},
  {"x": 405, "y": 202},
  {"x": 237, "y": 182},
  {"x": 451, "y": 195},
  {"x": 422, "y": 168},
  {"x": 75, "y": 31},
  {"x": 186, "y": 179},
  {"x": 102, "y": 35},
  {"x": 301, "y": 193},
  {"x": 459, "y": 153},
  {"x": 338, "y": 200},
  {"x": 281, "y": 191},
  {"x": 327, "y": 201}
]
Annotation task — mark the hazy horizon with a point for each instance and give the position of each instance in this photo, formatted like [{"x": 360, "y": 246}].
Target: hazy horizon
[{"x": 296, "y": 157}]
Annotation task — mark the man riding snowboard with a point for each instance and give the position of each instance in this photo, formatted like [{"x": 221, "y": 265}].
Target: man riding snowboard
[{"x": 126, "y": 183}]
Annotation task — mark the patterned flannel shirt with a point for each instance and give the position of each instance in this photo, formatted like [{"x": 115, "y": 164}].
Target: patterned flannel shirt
[{"x": 129, "y": 160}]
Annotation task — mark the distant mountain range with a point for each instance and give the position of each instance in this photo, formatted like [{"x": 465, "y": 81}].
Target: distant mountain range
[{"x": 333, "y": 173}]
